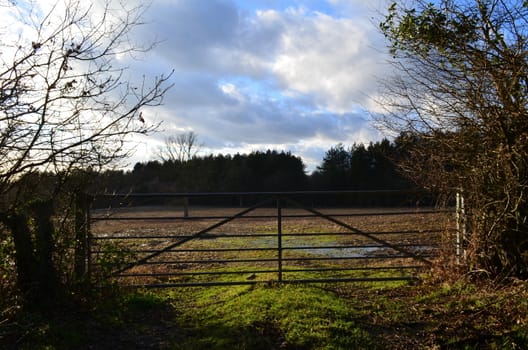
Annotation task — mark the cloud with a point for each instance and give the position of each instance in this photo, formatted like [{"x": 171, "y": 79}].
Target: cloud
[
  {"x": 189, "y": 32},
  {"x": 239, "y": 123},
  {"x": 265, "y": 74},
  {"x": 328, "y": 58},
  {"x": 250, "y": 75}
]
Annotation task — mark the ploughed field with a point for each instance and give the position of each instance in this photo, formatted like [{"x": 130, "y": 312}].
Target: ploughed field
[{"x": 211, "y": 246}]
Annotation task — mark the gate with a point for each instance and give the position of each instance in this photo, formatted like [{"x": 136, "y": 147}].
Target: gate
[{"x": 197, "y": 239}]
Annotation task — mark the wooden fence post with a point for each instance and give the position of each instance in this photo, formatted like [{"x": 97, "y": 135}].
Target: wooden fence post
[
  {"x": 46, "y": 274},
  {"x": 185, "y": 207}
]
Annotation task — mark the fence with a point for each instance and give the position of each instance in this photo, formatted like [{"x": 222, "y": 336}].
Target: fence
[{"x": 169, "y": 240}]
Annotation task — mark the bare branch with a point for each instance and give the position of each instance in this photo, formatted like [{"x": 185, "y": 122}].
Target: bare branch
[
  {"x": 64, "y": 100},
  {"x": 181, "y": 148}
]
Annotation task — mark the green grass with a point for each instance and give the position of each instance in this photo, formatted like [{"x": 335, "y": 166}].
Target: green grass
[
  {"x": 241, "y": 273},
  {"x": 263, "y": 317},
  {"x": 378, "y": 315}
]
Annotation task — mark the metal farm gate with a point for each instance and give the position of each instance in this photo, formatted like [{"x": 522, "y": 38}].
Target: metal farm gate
[{"x": 196, "y": 239}]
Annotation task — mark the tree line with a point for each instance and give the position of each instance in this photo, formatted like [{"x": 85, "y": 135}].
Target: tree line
[{"x": 358, "y": 167}]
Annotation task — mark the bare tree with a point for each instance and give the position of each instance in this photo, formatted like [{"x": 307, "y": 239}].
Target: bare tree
[
  {"x": 65, "y": 101},
  {"x": 66, "y": 104},
  {"x": 181, "y": 148},
  {"x": 459, "y": 102}
]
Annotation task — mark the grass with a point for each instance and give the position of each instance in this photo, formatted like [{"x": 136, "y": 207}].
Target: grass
[
  {"x": 262, "y": 317},
  {"x": 456, "y": 315},
  {"x": 439, "y": 313}
]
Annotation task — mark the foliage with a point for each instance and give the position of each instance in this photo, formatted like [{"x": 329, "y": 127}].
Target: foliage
[
  {"x": 8, "y": 303},
  {"x": 257, "y": 171},
  {"x": 361, "y": 167},
  {"x": 111, "y": 257},
  {"x": 459, "y": 105}
]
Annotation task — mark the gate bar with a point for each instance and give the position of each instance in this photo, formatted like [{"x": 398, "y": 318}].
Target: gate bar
[
  {"x": 182, "y": 241},
  {"x": 362, "y": 233}
]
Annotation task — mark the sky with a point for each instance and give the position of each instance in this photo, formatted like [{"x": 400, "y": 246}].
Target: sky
[
  {"x": 298, "y": 76},
  {"x": 250, "y": 75}
]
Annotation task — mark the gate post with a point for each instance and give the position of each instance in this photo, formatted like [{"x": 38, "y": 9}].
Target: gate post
[
  {"x": 185, "y": 207},
  {"x": 279, "y": 238},
  {"x": 460, "y": 226}
]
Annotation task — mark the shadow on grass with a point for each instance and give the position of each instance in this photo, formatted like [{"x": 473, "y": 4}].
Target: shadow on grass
[
  {"x": 133, "y": 322},
  {"x": 285, "y": 317}
]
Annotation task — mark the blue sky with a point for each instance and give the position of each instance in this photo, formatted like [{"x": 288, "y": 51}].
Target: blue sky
[{"x": 249, "y": 75}]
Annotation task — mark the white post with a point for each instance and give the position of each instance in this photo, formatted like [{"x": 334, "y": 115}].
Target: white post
[
  {"x": 458, "y": 233},
  {"x": 460, "y": 226},
  {"x": 463, "y": 222}
]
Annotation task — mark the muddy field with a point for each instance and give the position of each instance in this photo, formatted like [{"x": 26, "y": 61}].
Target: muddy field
[{"x": 224, "y": 245}]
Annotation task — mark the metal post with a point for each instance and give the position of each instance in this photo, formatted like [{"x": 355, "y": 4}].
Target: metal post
[
  {"x": 279, "y": 237},
  {"x": 464, "y": 224},
  {"x": 460, "y": 226}
]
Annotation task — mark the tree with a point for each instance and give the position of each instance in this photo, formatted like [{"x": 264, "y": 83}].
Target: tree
[
  {"x": 459, "y": 102},
  {"x": 335, "y": 169},
  {"x": 181, "y": 148},
  {"x": 66, "y": 105}
]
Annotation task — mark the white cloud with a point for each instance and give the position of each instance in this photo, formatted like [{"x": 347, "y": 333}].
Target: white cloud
[
  {"x": 332, "y": 59},
  {"x": 232, "y": 91},
  {"x": 284, "y": 75}
]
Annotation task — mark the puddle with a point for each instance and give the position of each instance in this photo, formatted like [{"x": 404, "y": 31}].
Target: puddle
[
  {"x": 342, "y": 252},
  {"x": 307, "y": 248},
  {"x": 334, "y": 250}
]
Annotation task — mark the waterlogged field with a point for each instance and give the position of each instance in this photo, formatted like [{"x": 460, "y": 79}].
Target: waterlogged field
[{"x": 219, "y": 245}]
